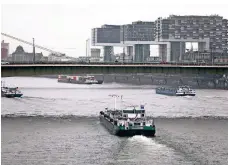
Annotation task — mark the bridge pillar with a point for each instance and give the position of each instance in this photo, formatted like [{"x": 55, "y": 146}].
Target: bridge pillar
[
  {"x": 141, "y": 52},
  {"x": 130, "y": 50},
  {"x": 177, "y": 51},
  {"x": 108, "y": 53},
  {"x": 202, "y": 46},
  {"x": 164, "y": 51}
]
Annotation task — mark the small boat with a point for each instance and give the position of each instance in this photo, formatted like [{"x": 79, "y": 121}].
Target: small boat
[
  {"x": 127, "y": 121},
  {"x": 179, "y": 91},
  {"x": 79, "y": 79},
  {"x": 10, "y": 92}
]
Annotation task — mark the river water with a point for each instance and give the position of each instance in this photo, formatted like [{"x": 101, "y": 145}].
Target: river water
[{"x": 57, "y": 123}]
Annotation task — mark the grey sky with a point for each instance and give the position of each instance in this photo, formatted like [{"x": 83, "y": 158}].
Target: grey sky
[{"x": 60, "y": 27}]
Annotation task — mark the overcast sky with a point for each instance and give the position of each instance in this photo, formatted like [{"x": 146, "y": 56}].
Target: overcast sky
[{"x": 65, "y": 27}]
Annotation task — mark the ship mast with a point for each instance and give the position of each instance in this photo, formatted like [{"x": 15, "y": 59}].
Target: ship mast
[
  {"x": 2, "y": 84},
  {"x": 115, "y": 96}
]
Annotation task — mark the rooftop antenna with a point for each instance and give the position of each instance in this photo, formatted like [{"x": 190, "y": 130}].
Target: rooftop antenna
[{"x": 121, "y": 100}]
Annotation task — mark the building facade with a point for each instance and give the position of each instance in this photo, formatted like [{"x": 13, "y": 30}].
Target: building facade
[
  {"x": 225, "y": 36},
  {"x": 205, "y": 57},
  {"x": 4, "y": 50},
  {"x": 221, "y": 59},
  {"x": 106, "y": 34},
  {"x": 197, "y": 56},
  {"x": 209, "y": 31},
  {"x": 171, "y": 35},
  {"x": 95, "y": 53},
  {"x": 21, "y": 56},
  {"x": 153, "y": 59},
  {"x": 137, "y": 31}
]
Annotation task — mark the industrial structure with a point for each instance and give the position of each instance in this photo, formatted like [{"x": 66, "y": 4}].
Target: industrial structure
[{"x": 170, "y": 34}]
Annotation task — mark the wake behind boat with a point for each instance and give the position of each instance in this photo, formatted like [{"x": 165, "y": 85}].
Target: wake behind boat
[
  {"x": 179, "y": 91},
  {"x": 79, "y": 79},
  {"x": 127, "y": 121},
  {"x": 10, "y": 92}
]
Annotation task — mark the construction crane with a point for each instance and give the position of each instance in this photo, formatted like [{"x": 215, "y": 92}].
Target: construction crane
[{"x": 32, "y": 44}]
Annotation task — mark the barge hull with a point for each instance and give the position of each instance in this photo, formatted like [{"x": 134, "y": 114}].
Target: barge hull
[
  {"x": 11, "y": 95},
  {"x": 78, "y": 82},
  {"x": 131, "y": 132},
  {"x": 136, "y": 132},
  {"x": 174, "y": 94},
  {"x": 108, "y": 125}
]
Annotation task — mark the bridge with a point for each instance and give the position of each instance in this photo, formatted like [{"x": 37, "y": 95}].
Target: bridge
[{"x": 54, "y": 69}]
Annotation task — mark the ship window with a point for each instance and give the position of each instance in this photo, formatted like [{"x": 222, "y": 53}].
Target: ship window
[
  {"x": 133, "y": 111},
  {"x": 142, "y": 115},
  {"x": 128, "y": 111}
]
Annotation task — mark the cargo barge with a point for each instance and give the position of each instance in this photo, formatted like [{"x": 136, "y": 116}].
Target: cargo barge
[
  {"x": 79, "y": 79},
  {"x": 127, "y": 121},
  {"x": 179, "y": 91}
]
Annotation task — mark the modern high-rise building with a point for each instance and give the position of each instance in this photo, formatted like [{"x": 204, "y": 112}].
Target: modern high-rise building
[
  {"x": 106, "y": 36},
  {"x": 225, "y": 35},
  {"x": 208, "y": 31},
  {"x": 137, "y": 31},
  {"x": 136, "y": 36},
  {"x": 171, "y": 35},
  {"x": 125, "y": 36}
]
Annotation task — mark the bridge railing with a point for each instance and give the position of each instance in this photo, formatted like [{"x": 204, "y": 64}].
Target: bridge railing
[{"x": 115, "y": 63}]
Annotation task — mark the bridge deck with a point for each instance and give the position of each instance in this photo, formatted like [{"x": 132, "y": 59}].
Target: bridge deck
[
  {"x": 118, "y": 65},
  {"x": 52, "y": 69}
]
